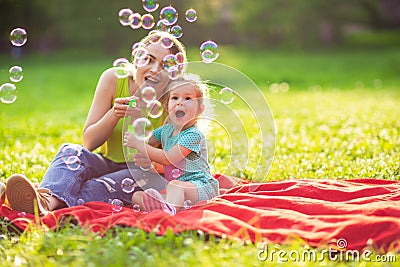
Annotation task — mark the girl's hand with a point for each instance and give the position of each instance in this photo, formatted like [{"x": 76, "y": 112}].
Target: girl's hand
[
  {"x": 130, "y": 140},
  {"x": 121, "y": 107}
]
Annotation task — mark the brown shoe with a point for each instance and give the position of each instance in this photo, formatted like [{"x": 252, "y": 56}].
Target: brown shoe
[
  {"x": 22, "y": 195},
  {"x": 2, "y": 193}
]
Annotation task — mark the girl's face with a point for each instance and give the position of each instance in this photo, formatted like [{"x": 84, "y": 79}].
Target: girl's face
[
  {"x": 153, "y": 74},
  {"x": 184, "y": 106}
]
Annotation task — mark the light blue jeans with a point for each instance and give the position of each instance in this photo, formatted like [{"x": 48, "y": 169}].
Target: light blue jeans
[{"x": 94, "y": 178}]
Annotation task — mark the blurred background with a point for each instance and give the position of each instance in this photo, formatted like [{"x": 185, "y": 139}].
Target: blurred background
[{"x": 291, "y": 24}]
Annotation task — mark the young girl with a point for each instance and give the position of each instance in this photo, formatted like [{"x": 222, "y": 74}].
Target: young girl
[{"x": 183, "y": 153}]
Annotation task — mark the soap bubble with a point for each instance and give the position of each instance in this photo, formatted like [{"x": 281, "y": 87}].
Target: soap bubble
[
  {"x": 80, "y": 202},
  {"x": 241, "y": 153},
  {"x": 207, "y": 56},
  {"x": 8, "y": 93},
  {"x": 136, "y": 208},
  {"x": 141, "y": 62},
  {"x": 162, "y": 25},
  {"x": 155, "y": 109},
  {"x": 187, "y": 204},
  {"x": 177, "y": 31},
  {"x": 143, "y": 129},
  {"x": 147, "y": 21},
  {"x": 169, "y": 14},
  {"x": 140, "y": 56},
  {"x": 150, "y": 5},
  {"x": 18, "y": 37},
  {"x": 176, "y": 173},
  {"x": 117, "y": 205},
  {"x": 125, "y": 16},
  {"x": 191, "y": 15},
  {"x": 209, "y": 51},
  {"x": 154, "y": 38},
  {"x": 136, "y": 21},
  {"x": 128, "y": 185},
  {"x": 166, "y": 42},
  {"x": 136, "y": 46},
  {"x": 16, "y": 74},
  {"x": 227, "y": 95},
  {"x": 173, "y": 73},
  {"x": 121, "y": 66},
  {"x": 148, "y": 94},
  {"x": 70, "y": 155},
  {"x": 170, "y": 61},
  {"x": 180, "y": 58},
  {"x": 73, "y": 163},
  {"x": 70, "y": 150}
]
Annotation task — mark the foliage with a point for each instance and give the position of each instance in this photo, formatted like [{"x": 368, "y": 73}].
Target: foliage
[
  {"x": 300, "y": 23},
  {"x": 57, "y": 24}
]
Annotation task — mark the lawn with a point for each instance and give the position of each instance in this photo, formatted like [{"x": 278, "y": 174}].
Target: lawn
[{"x": 336, "y": 116}]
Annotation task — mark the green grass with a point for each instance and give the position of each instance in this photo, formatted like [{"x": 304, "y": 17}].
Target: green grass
[
  {"x": 336, "y": 116},
  {"x": 349, "y": 69},
  {"x": 337, "y": 134}
]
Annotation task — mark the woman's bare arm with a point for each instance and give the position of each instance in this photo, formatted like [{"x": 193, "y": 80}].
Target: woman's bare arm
[{"x": 101, "y": 119}]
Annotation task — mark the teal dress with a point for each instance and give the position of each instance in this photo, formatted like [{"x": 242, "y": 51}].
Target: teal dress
[{"x": 194, "y": 168}]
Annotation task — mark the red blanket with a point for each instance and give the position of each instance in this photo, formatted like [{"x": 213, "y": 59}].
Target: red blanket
[{"x": 320, "y": 212}]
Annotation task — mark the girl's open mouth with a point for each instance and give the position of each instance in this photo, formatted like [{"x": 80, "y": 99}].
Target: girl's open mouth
[{"x": 179, "y": 114}]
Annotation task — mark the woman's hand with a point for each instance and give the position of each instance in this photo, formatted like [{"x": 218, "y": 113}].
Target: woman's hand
[{"x": 122, "y": 108}]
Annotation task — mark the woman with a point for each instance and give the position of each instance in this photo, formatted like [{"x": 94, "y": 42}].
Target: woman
[{"x": 98, "y": 176}]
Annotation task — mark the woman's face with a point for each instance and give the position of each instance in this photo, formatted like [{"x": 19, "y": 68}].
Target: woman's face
[{"x": 153, "y": 74}]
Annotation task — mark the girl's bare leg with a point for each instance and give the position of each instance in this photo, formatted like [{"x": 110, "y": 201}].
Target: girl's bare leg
[
  {"x": 137, "y": 199},
  {"x": 179, "y": 191}
]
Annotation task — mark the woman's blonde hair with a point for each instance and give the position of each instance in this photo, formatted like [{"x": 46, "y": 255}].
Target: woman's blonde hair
[{"x": 157, "y": 36}]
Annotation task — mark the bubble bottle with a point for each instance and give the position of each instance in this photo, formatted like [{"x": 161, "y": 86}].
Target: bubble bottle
[
  {"x": 130, "y": 151},
  {"x": 142, "y": 129}
]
